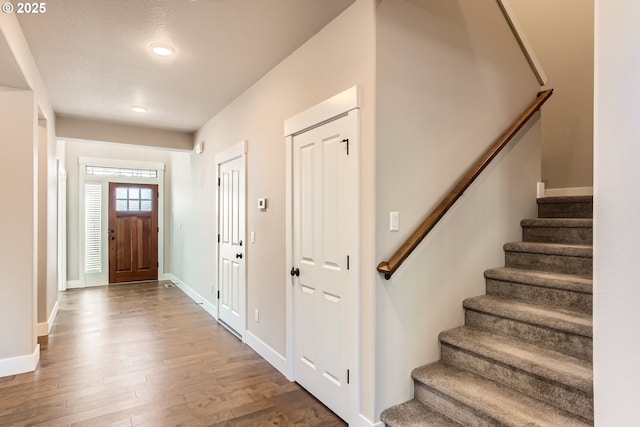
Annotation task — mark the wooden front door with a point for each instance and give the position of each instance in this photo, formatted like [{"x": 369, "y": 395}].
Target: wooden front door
[{"x": 133, "y": 232}]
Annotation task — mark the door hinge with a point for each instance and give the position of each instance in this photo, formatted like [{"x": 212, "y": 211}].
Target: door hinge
[
  {"x": 218, "y": 182},
  {"x": 218, "y": 238},
  {"x": 348, "y": 379},
  {"x": 218, "y": 294},
  {"x": 346, "y": 140},
  {"x": 348, "y": 262},
  {"x": 158, "y": 229},
  {"x": 158, "y": 264}
]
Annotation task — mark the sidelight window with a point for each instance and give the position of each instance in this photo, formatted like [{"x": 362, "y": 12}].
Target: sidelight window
[{"x": 92, "y": 227}]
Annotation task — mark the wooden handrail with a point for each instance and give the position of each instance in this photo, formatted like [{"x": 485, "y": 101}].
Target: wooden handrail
[{"x": 390, "y": 267}]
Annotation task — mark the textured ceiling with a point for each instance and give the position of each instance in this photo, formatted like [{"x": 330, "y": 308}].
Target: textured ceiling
[{"x": 95, "y": 60}]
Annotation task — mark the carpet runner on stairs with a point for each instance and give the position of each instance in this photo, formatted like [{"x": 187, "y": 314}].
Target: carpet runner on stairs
[{"x": 524, "y": 355}]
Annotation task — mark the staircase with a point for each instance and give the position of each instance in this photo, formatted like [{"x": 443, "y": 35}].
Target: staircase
[{"x": 524, "y": 355}]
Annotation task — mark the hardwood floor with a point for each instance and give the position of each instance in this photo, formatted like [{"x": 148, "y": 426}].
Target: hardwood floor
[{"x": 146, "y": 355}]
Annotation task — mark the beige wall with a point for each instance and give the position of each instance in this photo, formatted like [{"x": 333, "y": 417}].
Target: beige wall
[
  {"x": 561, "y": 34},
  {"x": 338, "y": 57},
  {"x": 450, "y": 79},
  {"x": 96, "y": 130},
  {"x": 20, "y": 134},
  {"x": 18, "y": 228},
  {"x": 616, "y": 205}
]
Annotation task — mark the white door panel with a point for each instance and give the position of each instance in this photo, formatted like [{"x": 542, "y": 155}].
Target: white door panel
[
  {"x": 324, "y": 226},
  {"x": 231, "y": 306}
]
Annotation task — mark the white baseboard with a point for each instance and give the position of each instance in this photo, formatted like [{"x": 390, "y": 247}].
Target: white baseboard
[
  {"x": 366, "y": 422},
  {"x": 195, "y": 296},
  {"x": 45, "y": 328},
  {"x": 542, "y": 191},
  {"x": 269, "y": 354},
  {"x": 74, "y": 284},
  {"x": 20, "y": 364},
  {"x": 575, "y": 191}
]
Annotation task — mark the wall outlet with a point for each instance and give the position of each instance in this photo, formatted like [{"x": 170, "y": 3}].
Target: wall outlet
[{"x": 257, "y": 316}]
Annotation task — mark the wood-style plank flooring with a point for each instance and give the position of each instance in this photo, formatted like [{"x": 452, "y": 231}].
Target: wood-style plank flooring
[{"x": 146, "y": 355}]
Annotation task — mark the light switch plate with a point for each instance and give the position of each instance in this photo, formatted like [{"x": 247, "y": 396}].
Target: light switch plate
[{"x": 394, "y": 221}]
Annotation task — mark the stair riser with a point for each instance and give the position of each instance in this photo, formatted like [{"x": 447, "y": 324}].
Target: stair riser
[
  {"x": 560, "y": 298},
  {"x": 451, "y": 408},
  {"x": 565, "y": 210},
  {"x": 562, "y": 264},
  {"x": 547, "y": 390},
  {"x": 564, "y": 342},
  {"x": 561, "y": 235}
]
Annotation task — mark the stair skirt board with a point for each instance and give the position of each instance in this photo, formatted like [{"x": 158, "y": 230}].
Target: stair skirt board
[{"x": 524, "y": 356}]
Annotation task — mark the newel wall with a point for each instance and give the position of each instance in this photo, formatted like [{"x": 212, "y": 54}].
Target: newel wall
[
  {"x": 450, "y": 78},
  {"x": 28, "y": 293}
]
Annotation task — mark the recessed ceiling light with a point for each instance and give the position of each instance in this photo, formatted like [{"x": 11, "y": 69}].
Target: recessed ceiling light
[
  {"x": 162, "y": 50},
  {"x": 139, "y": 108}
]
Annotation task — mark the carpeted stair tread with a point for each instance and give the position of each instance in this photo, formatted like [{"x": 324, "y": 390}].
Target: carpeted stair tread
[
  {"x": 567, "y": 282},
  {"x": 501, "y": 405},
  {"x": 583, "y": 251},
  {"x": 544, "y": 363},
  {"x": 415, "y": 414},
  {"x": 558, "y": 222},
  {"x": 559, "y": 319}
]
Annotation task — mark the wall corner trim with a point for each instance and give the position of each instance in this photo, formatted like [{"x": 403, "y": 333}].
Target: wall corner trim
[{"x": 20, "y": 364}]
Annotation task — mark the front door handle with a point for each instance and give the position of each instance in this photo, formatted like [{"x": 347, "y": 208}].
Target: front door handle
[{"x": 239, "y": 256}]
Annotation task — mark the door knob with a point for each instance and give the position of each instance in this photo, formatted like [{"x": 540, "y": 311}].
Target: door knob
[
  {"x": 294, "y": 272},
  {"x": 239, "y": 256}
]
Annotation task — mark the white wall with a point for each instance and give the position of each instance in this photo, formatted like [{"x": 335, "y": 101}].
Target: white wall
[
  {"x": 339, "y": 56},
  {"x": 561, "y": 34},
  {"x": 616, "y": 206},
  {"x": 450, "y": 79},
  {"x": 76, "y": 149}
]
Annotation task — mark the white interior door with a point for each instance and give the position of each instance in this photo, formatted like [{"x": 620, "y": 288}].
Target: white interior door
[
  {"x": 231, "y": 252},
  {"x": 324, "y": 246}
]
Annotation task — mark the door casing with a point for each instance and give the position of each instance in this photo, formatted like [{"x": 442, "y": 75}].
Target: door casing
[
  {"x": 102, "y": 278},
  {"x": 344, "y": 103},
  {"x": 238, "y": 150}
]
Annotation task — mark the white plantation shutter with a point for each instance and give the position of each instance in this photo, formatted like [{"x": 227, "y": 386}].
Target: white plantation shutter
[{"x": 93, "y": 228}]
